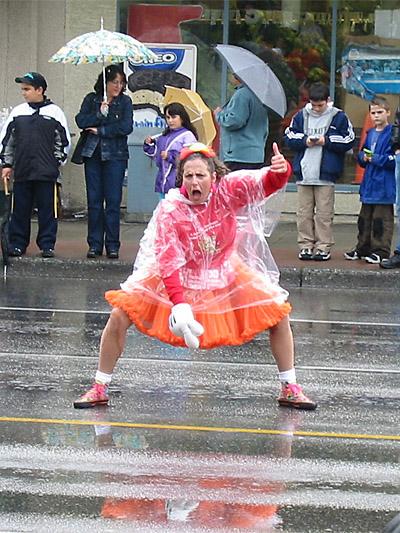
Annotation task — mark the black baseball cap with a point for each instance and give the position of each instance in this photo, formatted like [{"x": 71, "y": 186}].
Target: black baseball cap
[{"x": 33, "y": 78}]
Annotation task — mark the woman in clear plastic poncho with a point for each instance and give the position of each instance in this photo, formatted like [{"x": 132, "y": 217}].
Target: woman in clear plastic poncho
[{"x": 204, "y": 275}]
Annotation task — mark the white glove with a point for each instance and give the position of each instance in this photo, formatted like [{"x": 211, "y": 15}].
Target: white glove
[
  {"x": 180, "y": 509},
  {"x": 183, "y": 324}
]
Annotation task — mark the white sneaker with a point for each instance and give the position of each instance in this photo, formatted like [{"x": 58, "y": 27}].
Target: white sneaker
[
  {"x": 306, "y": 254},
  {"x": 373, "y": 259},
  {"x": 321, "y": 255},
  {"x": 352, "y": 255}
]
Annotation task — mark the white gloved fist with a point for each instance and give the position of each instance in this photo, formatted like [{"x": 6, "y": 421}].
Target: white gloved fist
[{"x": 183, "y": 324}]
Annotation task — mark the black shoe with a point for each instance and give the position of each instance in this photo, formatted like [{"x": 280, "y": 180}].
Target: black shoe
[
  {"x": 48, "y": 253},
  {"x": 306, "y": 254},
  {"x": 16, "y": 252},
  {"x": 352, "y": 255},
  {"x": 392, "y": 262},
  {"x": 92, "y": 253},
  {"x": 112, "y": 254},
  {"x": 373, "y": 259},
  {"x": 321, "y": 255}
]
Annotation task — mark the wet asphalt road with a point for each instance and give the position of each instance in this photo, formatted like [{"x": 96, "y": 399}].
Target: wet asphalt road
[{"x": 194, "y": 441}]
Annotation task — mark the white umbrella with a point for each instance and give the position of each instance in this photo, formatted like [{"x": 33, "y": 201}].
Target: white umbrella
[
  {"x": 103, "y": 47},
  {"x": 257, "y": 75}
]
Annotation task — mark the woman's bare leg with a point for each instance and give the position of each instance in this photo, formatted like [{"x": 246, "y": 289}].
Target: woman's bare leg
[
  {"x": 282, "y": 345},
  {"x": 113, "y": 339}
]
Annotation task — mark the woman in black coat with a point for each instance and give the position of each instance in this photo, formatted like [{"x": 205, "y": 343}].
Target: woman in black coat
[{"x": 108, "y": 122}]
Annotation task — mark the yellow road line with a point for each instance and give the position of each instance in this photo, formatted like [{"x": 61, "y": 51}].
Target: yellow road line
[{"x": 173, "y": 427}]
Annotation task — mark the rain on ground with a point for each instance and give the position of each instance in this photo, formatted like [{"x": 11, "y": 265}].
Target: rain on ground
[{"x": 195, "y": 441}]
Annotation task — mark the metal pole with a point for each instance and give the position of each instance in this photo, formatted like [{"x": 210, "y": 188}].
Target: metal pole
[
  {"x": 333, "y": 50},
  {"x": 225, "y": 40}
]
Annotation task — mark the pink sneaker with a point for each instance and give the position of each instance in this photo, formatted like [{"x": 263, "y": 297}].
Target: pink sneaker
[
  {"x": 292, "y": 396},
  {"x": 96, "y": 395}
]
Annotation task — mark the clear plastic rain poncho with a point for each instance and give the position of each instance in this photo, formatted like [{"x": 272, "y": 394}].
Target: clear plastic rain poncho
[{"x": 218, "y": 247}]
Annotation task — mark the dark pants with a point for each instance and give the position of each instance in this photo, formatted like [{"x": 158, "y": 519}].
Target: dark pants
[
  {"x": 375, "y": 230},
  {"x": 104, "y": 192},
  {"x": 237, "y": 165},
  {"x": 26, "y": 194}
]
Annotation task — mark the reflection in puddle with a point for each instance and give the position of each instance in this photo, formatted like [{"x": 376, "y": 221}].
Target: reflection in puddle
[
  {"x": 205, "y": 514},
  {"x": 96, "y": 436},
  {"x": 223, "y": 499},
  {"x": 99, "y": 477}
]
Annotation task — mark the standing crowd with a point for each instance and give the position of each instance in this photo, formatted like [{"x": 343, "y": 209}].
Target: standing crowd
[{"x": 35, "y": 142}]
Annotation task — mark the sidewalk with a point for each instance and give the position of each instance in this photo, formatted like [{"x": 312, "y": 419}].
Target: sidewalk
[{"x": 338, "y": 272}]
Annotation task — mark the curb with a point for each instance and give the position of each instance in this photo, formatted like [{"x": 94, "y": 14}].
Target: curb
[
  {"x": 37, "y": 267},
  {"x": 290, "y": 276},
  {"x": 336, "y": 278}
]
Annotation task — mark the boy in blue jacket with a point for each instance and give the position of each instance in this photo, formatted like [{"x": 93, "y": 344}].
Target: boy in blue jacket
[
  {"x": 377, "y": 190},
  {"x": 394, "y": 261},
  {"x": 320, "y": 134}
]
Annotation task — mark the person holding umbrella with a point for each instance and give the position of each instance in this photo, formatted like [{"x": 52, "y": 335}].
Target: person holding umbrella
[
  {"x": 204, "y": 276},
  {"x": 244, "y": 128},
  {"x": 34, "y": 142},
  {"x": 244, "y": 119},
  {"x": 106, "y": 118},
  {"x": 107, "y": 123}
]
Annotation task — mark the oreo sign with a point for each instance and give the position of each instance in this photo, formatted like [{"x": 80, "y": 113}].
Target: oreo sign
[
  {"x": 175, "y": 65},
  {"x": 170, "y": 59}
]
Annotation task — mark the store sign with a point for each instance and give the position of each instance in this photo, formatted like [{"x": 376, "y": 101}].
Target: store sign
[{"x": 175, "y": 65}]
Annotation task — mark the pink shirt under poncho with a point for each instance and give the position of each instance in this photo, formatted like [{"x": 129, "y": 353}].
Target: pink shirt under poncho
[{"x": 198, "y": 247}]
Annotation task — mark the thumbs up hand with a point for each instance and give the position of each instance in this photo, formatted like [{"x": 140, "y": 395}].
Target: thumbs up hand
[{"x": 278, "y": 161}]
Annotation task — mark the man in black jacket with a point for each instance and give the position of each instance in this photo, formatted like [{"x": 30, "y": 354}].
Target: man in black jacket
[{"x": 34, "y": 142}]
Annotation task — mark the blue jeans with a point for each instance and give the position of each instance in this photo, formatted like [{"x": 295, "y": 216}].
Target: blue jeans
[
  {"x": 104, "y": 193},
  {"x": 26, "y": 195},
  {"x": 397, "y": 207}
]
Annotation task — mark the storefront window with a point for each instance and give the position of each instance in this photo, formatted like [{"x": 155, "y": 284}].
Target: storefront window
[{"x": 293, "y": 37}]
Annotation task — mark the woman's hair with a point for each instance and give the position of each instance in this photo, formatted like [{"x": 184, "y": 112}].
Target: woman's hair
[
  {"x": 175, "y": 108},
  {"x": 213, "y": 165},
  {"x": 112, "y": 72}
]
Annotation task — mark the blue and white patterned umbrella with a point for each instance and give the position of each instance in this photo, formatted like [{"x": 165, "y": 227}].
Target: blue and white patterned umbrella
[{"x": 103, "y": 47}]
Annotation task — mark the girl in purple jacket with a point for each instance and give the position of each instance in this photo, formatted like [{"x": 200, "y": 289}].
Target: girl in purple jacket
[{"x": 165, "y": 148}]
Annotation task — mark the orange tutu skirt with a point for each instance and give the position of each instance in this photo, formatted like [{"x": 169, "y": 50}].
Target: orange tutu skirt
[{"x": 233, "y": 315}]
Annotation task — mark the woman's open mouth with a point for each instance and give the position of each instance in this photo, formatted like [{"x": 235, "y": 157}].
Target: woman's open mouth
[{"x": 196, "y": 194}]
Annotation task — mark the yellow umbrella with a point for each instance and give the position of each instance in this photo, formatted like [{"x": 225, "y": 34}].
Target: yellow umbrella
[{"x": 200, "y": 115}]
